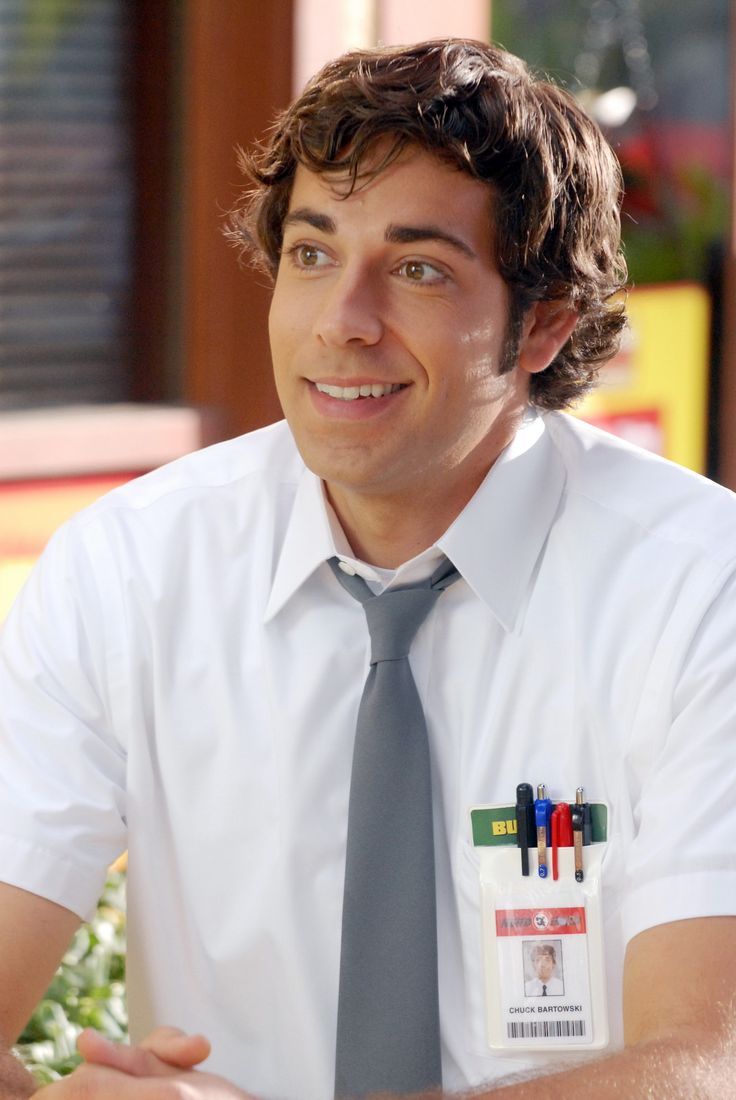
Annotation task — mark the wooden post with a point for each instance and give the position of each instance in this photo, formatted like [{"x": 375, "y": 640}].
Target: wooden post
[{"x": 236, "y": 73}]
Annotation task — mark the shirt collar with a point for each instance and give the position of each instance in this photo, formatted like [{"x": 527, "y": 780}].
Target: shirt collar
[
  {"x": 495, "y": 542},
  {"x": 498, "y": 538},
  {"x": 307, "y": 545}
]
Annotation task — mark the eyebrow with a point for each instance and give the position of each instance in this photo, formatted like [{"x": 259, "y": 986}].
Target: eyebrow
[
  {"x": 305, "y": 215},
  {"x": 409, "y": 234},
  {"x": 395, "y": 234}
]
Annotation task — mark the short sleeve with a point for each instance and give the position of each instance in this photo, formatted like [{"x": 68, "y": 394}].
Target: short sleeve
[
  {"x": 682, "y": 863},
  {"x": 62, "y": 769}
]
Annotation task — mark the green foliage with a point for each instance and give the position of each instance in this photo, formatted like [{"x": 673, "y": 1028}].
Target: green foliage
[
  {"x": 677, "y": 205},
  {"x": 86, "y": 991},
  {"x": 675, "y": 243}
]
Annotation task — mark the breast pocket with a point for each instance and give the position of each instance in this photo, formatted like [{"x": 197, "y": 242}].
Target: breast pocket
[{"x": 471, "y": 946}]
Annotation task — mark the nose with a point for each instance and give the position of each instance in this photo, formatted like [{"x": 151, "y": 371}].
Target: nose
[{"x": 350, "y": 312}]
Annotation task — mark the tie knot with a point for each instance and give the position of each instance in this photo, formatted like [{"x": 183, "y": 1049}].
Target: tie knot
[{"x": 394, "y": 618}]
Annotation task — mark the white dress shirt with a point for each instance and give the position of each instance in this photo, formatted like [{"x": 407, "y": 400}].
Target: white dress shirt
[{"x": 182, "y": 674}]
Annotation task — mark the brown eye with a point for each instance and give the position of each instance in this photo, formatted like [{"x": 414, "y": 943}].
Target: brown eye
[
  {"x": 415, "y": 270},
  {"x": 308, "y": 255},
  {"x": 422, "y": 272}
]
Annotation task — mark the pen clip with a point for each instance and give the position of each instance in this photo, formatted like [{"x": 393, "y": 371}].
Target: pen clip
[
  {"x": 577, "y": 832},
  {"x": 542, "y": 816},
  {"x": 587, "y": 817}
]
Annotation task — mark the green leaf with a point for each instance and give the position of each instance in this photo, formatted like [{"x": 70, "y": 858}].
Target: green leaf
[{"x": 86, "y": 991}]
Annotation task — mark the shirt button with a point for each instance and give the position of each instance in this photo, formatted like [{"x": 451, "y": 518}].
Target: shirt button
[{"x": 347, "y": 568}]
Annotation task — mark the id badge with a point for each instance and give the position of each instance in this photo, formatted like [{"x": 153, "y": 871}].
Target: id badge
[{"x": 544, "y": 970}]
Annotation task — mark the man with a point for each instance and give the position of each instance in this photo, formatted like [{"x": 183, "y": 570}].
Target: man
[
  {"x": 183, "y": 674},
  {"x": 546, "y": 982}
]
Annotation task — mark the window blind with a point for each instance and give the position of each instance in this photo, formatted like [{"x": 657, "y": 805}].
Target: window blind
[{"x": 65, "y": 201}]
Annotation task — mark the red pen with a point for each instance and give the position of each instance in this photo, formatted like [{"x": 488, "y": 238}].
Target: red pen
[{"x": 561, "y": 832}]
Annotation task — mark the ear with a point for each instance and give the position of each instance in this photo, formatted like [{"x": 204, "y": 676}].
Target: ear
[{"x": 547, "y": 327}]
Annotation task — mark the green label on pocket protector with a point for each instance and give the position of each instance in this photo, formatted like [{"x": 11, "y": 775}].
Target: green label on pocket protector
[{"x": 495, "y": 826}]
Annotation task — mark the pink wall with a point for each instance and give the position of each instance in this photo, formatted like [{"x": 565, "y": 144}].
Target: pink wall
[{"x": 326, "y": 28}]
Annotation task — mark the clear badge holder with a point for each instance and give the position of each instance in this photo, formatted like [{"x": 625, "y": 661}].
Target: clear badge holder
[{"x": 545, "y": 984}]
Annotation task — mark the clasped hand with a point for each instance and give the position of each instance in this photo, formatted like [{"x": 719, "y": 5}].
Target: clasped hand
[{"x": 160, "y": 1068}]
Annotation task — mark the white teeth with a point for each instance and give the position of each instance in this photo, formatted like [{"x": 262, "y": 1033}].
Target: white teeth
[{"x": 350, "y": 393}]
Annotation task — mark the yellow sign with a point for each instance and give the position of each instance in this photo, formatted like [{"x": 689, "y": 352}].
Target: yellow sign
[{"x": 655, "y": 392}]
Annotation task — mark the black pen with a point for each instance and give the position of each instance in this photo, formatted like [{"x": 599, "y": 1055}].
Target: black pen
[
  {"x": 524, "y": 822},
  {"x": 577, "y": 835},
  {"x": 587, "y": 819}
]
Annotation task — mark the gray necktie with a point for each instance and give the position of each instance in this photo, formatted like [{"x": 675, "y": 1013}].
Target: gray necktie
[{"x": 388, "y": 1031}]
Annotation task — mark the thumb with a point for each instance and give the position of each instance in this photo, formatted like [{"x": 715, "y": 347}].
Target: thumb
[{"x": 176, "y": 1047}]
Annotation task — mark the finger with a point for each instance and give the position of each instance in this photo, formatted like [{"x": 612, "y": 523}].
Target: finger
[
  {"x": 132, "y": 1060},
  {"x": 167, "y": 1045},
  {"x": 176, "y": 1047}
]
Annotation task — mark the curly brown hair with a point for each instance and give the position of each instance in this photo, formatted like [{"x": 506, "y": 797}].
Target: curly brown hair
[{"x": 555, "y": 182}]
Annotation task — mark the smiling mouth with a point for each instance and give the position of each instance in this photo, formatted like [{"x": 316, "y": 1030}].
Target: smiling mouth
[{"x": 352, "y": 393}]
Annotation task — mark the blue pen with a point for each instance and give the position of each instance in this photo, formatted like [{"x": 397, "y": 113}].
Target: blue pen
[{"x": 542, "y": 816}]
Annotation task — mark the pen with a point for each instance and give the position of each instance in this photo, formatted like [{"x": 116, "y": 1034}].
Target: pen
[
  {"x": 542, "y": 814},
  {"x": 587, "y": 820},
  {"x": 577, "y": 832},
  {"x": 561, "y": 833},
  {"x": 524, "y": 822}
]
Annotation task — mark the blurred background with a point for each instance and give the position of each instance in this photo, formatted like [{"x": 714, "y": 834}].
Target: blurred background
[{"x": 130, "y": 334}]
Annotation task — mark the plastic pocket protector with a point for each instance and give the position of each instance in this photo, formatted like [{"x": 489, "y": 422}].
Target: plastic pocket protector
[{"x": 544, "y": 970}]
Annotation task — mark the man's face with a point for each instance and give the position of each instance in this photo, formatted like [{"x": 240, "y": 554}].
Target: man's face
[
  {"x": 387, "y": 330},
  {"x": 544, "y": 965}
]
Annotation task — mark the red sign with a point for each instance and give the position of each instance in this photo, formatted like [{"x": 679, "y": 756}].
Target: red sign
[{"x": 540, "y": 922}]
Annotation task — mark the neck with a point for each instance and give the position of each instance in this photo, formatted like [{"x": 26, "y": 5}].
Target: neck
[
  {"x": 379, "y": 536},
  {"x": 388, "y": 531}
]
